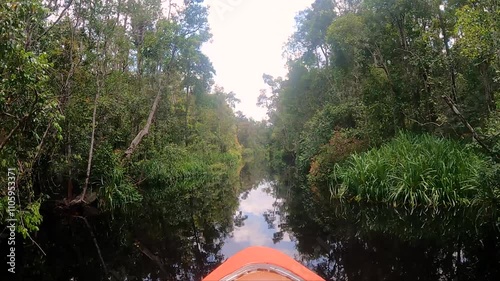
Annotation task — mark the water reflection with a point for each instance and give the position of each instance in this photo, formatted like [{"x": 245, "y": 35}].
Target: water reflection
[
  {"x": 262, "y": 223},
  {"x": 176, "y": 234},
  {"x": 347, "y": 241},
  {"x": 186, "y": 233}
]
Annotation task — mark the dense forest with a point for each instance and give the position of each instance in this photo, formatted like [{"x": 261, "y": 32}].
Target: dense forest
[
  {"x": 385, "y": 139},
  {"x": 391, "y": 102},
  {"x": 128, "y": 160},
  {"x": 110, "y": 119}
]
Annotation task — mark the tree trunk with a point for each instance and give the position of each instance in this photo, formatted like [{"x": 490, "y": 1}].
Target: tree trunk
[
  {"x": 469, "y": 127},
  {"x": 144, "y": 131},
  {"x": 186, "y": 120},
  {"x": 488, "y": 88},
  {"x": 449, "y": 58},
  {"x": 99, "y": 81},
  {"x": 92, "y": 138}
]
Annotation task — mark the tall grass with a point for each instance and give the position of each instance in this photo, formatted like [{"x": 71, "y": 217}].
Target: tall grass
[{"x": 412, "y": 170}]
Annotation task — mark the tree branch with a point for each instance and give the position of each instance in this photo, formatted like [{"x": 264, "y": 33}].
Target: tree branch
[
  {"x": 57, "y": 20},
  {"x": 455, "y": 110}
]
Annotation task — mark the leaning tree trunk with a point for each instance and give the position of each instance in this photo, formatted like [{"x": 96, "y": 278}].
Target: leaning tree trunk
[
  {"x": 144, "y": 131},
  {"x": 92, "y": 141},
  {"x": 475, "y": 135}
]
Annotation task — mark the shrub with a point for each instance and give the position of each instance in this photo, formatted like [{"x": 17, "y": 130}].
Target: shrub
[
  {"x": 341, "y": 145},
  {"x": 320, "y": 129},
  {"x": 412, "y": 170}
]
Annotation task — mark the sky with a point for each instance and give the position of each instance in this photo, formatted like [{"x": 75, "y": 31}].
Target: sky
[{"x": 248, "y": 40}]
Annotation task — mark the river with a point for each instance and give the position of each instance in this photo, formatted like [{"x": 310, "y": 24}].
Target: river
[
  {"x": 348, "y": 241},
  {"x": 263, "y": 222},
  {"x": 194, "y": 232}
]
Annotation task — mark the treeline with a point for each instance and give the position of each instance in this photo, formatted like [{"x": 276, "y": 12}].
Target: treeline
[
  {"x": 106, "y": 107},
  {"x": 364, "y": 72}
]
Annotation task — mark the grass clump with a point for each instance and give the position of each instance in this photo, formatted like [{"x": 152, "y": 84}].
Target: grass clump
[{"x": 412, "y": 170}]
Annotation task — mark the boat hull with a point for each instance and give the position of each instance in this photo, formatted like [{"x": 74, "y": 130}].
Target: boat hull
[{"x": 261, "y": 263}]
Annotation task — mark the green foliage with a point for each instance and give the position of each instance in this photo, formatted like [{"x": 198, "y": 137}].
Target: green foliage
[
  {"x": 116, "y": 189},
  {"x": 341, "y": 145},
  {"x": 174, "y": 166},
  {"x": 361, "y": 71},
  {"x": 413, "y": 170},
  {"x": 254, "y": 137},
  {"x": 29, "y": 218},
  {"x": 478, "y": 24},
  {"x": 116, "y": 58},
  {"x": 349, "y": 237},
  {"x": 320, "y": 128},
  {"x": 28, "y": 106}
]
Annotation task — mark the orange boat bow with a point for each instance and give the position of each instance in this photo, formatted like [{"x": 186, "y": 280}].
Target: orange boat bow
[{"x": 265, "y": 263}]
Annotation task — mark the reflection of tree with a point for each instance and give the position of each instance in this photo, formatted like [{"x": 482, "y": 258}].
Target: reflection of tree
[
  {"x": 252, "y": 174},
  {"x": 278, "y": 236},
  {"x": 244, "y": 195},
  {"x": 177, "y": 234},
  {"x": 239, "y": 219},
  {"x": 355, "y": 242},
  {"x": 277, "y": 213},
  {"x": 270, "y": 218}
]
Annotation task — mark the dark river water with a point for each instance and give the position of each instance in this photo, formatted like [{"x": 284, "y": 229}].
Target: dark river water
[
  {"x": 191, "y": 235},
  {"x": 352, "y": 242}
]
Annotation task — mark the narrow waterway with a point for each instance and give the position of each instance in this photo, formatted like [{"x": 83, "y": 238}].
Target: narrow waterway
[
  {"x": 348, "y": 241},
  {"x": 196, "y": 232}
]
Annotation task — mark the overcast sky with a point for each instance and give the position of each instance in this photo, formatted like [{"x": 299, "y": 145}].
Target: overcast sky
[{"x": 248, "y": 39}]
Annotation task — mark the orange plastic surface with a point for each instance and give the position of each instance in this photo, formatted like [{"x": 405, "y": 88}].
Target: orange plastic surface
[
  {"x": 261, "y": 255},
  {"x": 262, "y": 276}
]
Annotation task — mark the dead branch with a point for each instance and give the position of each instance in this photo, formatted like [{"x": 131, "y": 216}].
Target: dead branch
[
  {"x": 144, "y": 131},
  {"x": 476, "y": 137}
]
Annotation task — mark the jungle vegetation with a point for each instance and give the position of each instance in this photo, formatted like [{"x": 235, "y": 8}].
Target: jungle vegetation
[
  {"x": 109, "y": 115},
  {"x": 392, "y": 102},
  {"x": 111, "y": 120}
]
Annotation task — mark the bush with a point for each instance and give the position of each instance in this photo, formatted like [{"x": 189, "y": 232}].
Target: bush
[
  {"x": 320, "y": 129},
  {"x": 413, "y": 170},
  {"x": 342, "y": 144}
]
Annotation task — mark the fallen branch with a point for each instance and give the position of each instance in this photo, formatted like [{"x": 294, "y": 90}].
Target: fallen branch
[
  {"x": 476, "y": 137},
  {"x": 144, "y": 131}
]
